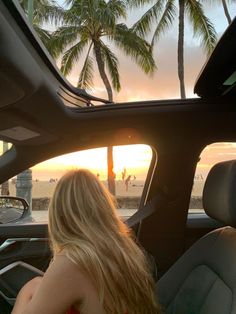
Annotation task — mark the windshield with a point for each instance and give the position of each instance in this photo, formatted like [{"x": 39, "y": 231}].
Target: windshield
[{"x": 123, "y": 51}]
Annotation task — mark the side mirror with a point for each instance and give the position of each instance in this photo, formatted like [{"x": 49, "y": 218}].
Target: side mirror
[{"x": 12, "y": 209}]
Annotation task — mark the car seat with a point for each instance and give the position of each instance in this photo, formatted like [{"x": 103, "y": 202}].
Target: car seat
[{"x": 203, "y": 280}]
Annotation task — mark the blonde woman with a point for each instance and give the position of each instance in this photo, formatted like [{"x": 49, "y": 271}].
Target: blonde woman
[{"x": 97, "y": 267}]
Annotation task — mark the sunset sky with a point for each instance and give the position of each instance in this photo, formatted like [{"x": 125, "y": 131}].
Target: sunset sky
[
  {"x": 164, "y": 84},
  {"x": 134, "y": 158}
]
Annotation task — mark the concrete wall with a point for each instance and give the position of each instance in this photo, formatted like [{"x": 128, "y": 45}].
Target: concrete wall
[{"x": 123, "y": 202}]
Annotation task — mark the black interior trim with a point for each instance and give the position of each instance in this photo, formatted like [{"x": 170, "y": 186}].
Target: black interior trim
[
  {"x": 219, "y": 67},
  {"x": 16, "y": 11}
]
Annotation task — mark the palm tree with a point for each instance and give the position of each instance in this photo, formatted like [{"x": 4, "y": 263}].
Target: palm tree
[
  {"x": 162, "y": 13},
  {"x": 88, "y": 27}
]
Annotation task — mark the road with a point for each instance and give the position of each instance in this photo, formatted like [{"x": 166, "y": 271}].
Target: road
[{"x": 42, "y": 215}]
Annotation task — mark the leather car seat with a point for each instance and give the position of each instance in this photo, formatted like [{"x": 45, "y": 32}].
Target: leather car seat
[{"x": 203, "y": 280}]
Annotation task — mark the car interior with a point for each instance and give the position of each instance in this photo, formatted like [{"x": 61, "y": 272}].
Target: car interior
[{"x": 44, "y": 116}]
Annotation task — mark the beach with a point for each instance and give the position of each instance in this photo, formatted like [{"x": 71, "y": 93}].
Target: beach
[
  {"x": 46, "y": 188},
  {"x": 135, "y": 188},
  {"x": 128, "y": 200}
]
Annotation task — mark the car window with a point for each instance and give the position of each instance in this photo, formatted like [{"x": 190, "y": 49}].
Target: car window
[
  {"x": 211, "y": 155},
  {"x": 131, "y": 165}
]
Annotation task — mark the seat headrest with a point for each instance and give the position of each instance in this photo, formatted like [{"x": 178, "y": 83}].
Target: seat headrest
[{"x": 219, "y": 193}]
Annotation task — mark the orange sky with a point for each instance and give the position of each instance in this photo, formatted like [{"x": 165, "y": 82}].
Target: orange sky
[
  {"x": 135, "y": 158},
  {"x": 164, "y": 84},
  {"x": 213, "y": 154}
]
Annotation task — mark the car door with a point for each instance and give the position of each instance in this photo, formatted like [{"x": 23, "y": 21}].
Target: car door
[{"x": 24, "y": 242}]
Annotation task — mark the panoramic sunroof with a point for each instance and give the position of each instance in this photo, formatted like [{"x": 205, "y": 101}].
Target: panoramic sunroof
[{"x": 130, "y": 63}]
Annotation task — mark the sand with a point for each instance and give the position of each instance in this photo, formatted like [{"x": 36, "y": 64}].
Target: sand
[
  {"x": 46, "y": 188},
  {"x": 135, "y": 188},
  {"x": 42, "y": 189}
]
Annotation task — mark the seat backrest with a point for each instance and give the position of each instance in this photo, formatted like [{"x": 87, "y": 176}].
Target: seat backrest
[{"x": 203, "y": 280}]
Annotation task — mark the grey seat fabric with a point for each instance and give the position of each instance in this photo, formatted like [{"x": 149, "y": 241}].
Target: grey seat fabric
[{"x": 203, "y": 280}]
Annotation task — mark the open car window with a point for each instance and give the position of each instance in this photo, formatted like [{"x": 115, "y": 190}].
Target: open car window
[
  {"x": 211, "y": 155},
  {"x": 131, "y": 166}
]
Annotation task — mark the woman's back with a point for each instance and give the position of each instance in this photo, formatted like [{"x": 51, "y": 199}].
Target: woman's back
[
  {"x": 84, "y": 290},
  {"x": 97, "y": 267}
]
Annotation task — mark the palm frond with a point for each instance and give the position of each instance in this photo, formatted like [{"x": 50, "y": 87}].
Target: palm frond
[
  {"x": 64, "y": 37},
  {"x": 137, "y": 3},
  {"x": 44, "y": 35},
  {"x": 79, "y": 11},
  {"x": 165, "y": 21},
  {"x": 135, "y": 47},
  {"x": 86, "y": 74},
  {"x": 202, "y": 26},
  {"x": 49, "y": 14},
  {"x": 116, "y": 8},
  {"x": 143, "y": 25},
  {"x": 71, "y": 56},
  {"x": 44, "y": 11},
  {"x": 112, "y": 64}
]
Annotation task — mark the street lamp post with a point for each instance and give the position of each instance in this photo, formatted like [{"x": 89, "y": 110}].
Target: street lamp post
[
  {"x": 30, "y": 10},
  {"x": 24, "y": 179},
  {"x": 5, "y": 185},
  {"x": 24, "y": 186}
]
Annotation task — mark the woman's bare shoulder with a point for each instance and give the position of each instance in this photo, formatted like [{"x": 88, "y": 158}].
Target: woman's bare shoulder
[
  {"x": 62, "y": 265},
  {"x": 71, "y": 272}
]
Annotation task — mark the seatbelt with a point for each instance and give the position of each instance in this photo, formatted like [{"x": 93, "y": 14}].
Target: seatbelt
[{"x": 148, "y": 209}]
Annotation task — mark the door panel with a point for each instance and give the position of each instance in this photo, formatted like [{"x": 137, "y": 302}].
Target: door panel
[{"x": 28, "y": 243}]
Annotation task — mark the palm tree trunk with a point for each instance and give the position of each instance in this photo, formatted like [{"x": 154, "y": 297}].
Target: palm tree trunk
[
  {"x": 181, "y": 50},
  {"x": 101, "y": 68},
  {"x": 226, "y": 11},
  {"x": 5, "y": 185},
  {"x": 110, "y": 164}
]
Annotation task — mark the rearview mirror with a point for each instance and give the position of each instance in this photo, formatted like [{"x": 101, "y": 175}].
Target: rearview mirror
[{"x": 12, "y": 209}]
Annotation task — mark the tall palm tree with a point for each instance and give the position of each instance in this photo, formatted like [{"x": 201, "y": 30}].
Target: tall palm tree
[
  {"x": 162, "y": 13},
  {"x": 90, "y": 28}
]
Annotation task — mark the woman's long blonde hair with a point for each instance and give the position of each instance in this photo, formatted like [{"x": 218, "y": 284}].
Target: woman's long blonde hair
[{"x": 83, "y": 221}]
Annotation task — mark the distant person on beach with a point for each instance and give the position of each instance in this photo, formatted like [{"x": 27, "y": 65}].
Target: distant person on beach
[
  {"x": 96, "y": 267},
  {"x": 127, "y": 181}
]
